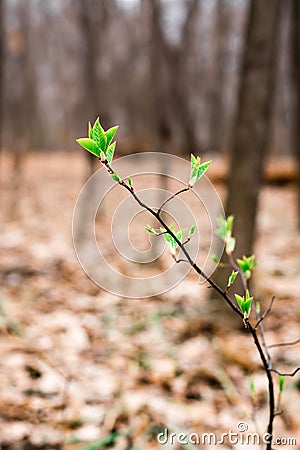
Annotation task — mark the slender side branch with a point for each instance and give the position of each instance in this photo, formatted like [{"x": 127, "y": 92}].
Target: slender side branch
[
  {"x": 185, "y": 189},
  {"x": 181, "y": 260},
  {"x": 286, "y": 374},
  {"x": 265, "y": 314},
  {"x": 179, "y": 243},
  {"x": 285, "y": 344}
]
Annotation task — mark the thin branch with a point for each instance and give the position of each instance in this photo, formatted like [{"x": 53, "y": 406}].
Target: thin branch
[
  {"x": 181, "y": 260},
  {"x": 185, "y": 189},
  {"x": 286, "y": 374},
  {"x": 265, "y": 313},
  {"x": 268, "y": 372},
  {"x": 285, "y": 344},
  {"x": 187, "y": 241},
  {"x": 171, "y": 233},
  {"x": 262, "y": 331}
]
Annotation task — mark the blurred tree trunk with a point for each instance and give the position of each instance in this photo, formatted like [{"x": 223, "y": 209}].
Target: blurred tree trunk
[
  {"x": 171, "y": 109},
  {"x": 22, "y": 99},
  {"x": 93, "y": 20},
  {"x": 1, "y": 68},
  {"x": 252, "y": 130},
  {"x": 217, "y": 117},
  {"x": 253, "y": 120},
  {"x": 295, "y": 45},
  {"x": 159, "y": 78},
  {"x": 179, "y": 76}
]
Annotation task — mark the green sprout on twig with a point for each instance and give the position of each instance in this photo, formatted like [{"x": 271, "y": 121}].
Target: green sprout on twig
[{"x": 100, "y": 143}]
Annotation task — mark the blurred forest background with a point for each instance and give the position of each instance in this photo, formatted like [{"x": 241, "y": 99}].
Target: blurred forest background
[
  {"x": 178, "y": 76},
  {"x": 219, "y": 78},
  {"x": 64, "y": 61}
]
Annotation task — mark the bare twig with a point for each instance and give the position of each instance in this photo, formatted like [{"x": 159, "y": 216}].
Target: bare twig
[
  {"x": 285, "y": 344},
  {"x": 181, "y": 260},
  {"x": 286, "y": 374},
  {"x": 265, "y": 313},
  {"x": 185, "y": 189}
]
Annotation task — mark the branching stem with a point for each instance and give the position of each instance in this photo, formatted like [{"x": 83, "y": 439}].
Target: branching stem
[{"x": 264, "y": 355}]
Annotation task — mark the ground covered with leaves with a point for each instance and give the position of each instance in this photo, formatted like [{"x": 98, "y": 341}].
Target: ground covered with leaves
[{"x": 84, "y": 369}]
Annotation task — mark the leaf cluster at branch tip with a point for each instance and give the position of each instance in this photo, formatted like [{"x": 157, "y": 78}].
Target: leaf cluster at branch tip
[
  {"x": 99, "y": 142},
  {"x": 247, "y": 264},
  {"x": 244, "y": 303},
  {"x": 173, "y": 245},
  {"x": 197, "y": 169},
  {"x": 224, "y": 231}
]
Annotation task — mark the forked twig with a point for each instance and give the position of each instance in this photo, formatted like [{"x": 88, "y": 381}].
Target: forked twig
[
  {"x": 286, "y": 374},
  {"x": 265, "y": 313},
  {"x": 185, "y": 189}
]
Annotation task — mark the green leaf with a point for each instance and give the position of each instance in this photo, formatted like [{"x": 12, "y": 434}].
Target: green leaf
[
  {"x": 240, "y": 300},
  {"x": 224, "y": 231},
  {"x": 247, "y": 264},
  {"x": 281, "y": 383},
  {"x": 197, "y": 169},
  {"x": 232, "y": 278},
  {"x": 180, "y": 234},
  {"x": 230, "y": 245},
  {"x": 257, "y": 306},
  {"x": 192, "y": 230},
  {"x": 247, "y": 274},
  {"x": 129, "y": 181},
  {"x": 247, "y": 307},
  {"x": 110, "y": 133},
  {"x": 229, "y": 225},
  {"x": 99, "y": 135},
  {"x": 150, "y": 229},
  {"x": 90, "y": 131},
  {"x": 244, "y": 303},
  {"x": 221, "y": 230},
  {"x": 252, "y": 387},
  {"x": 110, "y": 152},
  {"x": 215, "y": 259},
  {"x": 194, "y": 160},
  {"x": 170, "y": 240},
  {"x": 90, "y": 145},
  {"x": 115, "y": 177},
  {"x": 203, "y": 168}
]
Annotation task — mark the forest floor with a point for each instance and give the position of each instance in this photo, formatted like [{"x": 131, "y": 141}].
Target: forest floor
[{"x": 81, "y": 368}]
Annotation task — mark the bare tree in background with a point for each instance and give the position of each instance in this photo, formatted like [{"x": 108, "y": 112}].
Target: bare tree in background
[
  {"x": 1, "y": 67},
  {"x": 21, "y": 102},
  {"x": 179, "y": 75},
  {"x": 295, "y": 45},
  {"x": 253, "y": 120},
  {"x": 217, "y": 91},
  {"x": 169, "y": 78},
  {"x": 93, "y": 18},
  {"x": 159, "y": 76}
]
